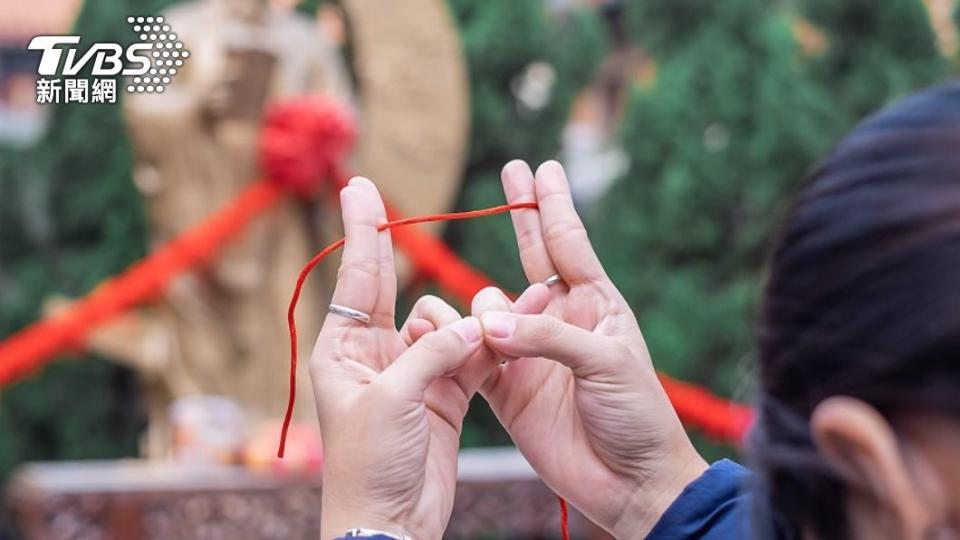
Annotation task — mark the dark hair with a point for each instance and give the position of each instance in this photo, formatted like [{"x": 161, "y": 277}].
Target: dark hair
[{"x": 862, "y": 300}]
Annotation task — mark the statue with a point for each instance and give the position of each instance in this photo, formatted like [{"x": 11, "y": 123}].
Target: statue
[{"x": 221, "y": 329}]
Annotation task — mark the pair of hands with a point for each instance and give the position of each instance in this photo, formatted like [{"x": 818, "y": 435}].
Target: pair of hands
[{"x": 564, "y": 368}]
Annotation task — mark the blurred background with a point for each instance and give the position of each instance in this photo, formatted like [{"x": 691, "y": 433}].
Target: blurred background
[{"x": 684, "y": 125}]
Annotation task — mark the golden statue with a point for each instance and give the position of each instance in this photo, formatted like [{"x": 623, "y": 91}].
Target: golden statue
[{"x": 221, "y": 329}]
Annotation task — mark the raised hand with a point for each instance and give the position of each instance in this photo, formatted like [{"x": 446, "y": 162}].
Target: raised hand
[
  {"x": 579, "y": 395},
  {"x": 390, "y": 415}
]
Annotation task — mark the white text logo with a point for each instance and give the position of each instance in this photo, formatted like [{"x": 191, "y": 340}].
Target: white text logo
[{"x": 150, "y": 64}]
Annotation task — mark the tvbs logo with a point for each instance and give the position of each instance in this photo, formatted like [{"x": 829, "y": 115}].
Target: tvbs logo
[
  {"x": 150, "y": 64},
  {"x": 107, "y": 57}
]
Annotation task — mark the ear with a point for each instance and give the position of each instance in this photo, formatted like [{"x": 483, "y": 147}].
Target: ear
[{"x": 859, "y": 444}]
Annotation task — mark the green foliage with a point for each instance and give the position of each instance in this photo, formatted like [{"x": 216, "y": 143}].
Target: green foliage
[
  {"x": 501, "y": 39},
  {"x": 310, "y": 7},
  {"x": 660, "y": 27},
  {"x": 715, "y": 145},
  {"x": 70, "y": 217},
  {"x": 956, "y": 15},
  {"x": 876, "y": 53},
  {"x": 736, "y": 116}
]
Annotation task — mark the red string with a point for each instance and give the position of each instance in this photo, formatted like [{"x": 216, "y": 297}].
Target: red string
[
  {"x": 564, "y": 519},
  {"x": 319, "y": 257}
]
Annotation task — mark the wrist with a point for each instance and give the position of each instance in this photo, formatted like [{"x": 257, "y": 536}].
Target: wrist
[
  {"x": 336, "y": 522},
  {"x": 651, "y": 498},
  {"x": 339, "y": 513}
]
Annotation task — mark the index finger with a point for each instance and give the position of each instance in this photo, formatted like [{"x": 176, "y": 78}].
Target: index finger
[
  {"x": 563, "y": 232},
  {"x": 358, "y": 278},
  {"x": 383, "y": 312},
  {"x": 518, "y": 187}
]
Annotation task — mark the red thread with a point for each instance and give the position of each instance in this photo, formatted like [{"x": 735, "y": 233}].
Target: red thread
[
  {"x": 319, "y": 257},
  {"x": 564, "y": 519}
]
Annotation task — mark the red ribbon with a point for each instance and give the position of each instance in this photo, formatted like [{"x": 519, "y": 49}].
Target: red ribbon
[
  {"x": 291, "y": 129},
  {"x": 145, "y": 281},
  {"x": 302, "y": 143}
]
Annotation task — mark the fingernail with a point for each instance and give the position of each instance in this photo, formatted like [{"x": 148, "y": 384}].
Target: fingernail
[
  {"x": 355, "y": 181},
  {"x": 468, "y": 328},
  {"x": 499, "y": 324}
]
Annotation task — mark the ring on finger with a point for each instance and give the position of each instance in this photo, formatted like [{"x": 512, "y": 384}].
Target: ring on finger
[
  {"x": 350, "y": 313},
  {"x": 552, "y": 280}
]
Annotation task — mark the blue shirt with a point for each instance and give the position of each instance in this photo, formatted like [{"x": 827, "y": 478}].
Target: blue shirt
[{"x": 712, "y": 507}]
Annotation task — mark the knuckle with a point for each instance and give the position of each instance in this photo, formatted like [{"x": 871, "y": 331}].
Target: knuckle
[
  {"x": 437, "y": 311},
  {"x": 489, "y": 290},
  {"x": 562, "y": 230},
  {"x": 438, "y": 343},
  {"x": 488, "y": 298},
  {"x": 364, "y": 266},
  {"x": 430, "y": 299},
  {"x": 426, "y": 303},
  {"x": 529, "y": 250},
  {"x": 387, "y": 265},
  {"x": 529, "y": 238}
]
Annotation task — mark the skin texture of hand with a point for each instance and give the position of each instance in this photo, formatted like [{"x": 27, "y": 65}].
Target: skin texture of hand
[
  {"x": 579, "y": 395},
  {"x": 390, "y": 409}
]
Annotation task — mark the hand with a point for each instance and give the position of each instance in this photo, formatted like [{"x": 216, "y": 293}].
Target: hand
[
  {"x": 389, "y": 416},
  {"x": 580, "y": 397}
]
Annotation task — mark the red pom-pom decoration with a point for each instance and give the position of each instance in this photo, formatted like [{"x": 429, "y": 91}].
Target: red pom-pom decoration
[{"x": 303, "y": 140}]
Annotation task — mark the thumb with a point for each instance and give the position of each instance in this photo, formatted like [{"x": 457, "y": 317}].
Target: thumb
[
  {"x": 433, "y": 356},
  {"x": 587, "y": 354}
]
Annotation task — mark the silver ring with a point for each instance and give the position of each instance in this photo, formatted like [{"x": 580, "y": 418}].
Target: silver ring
[
  {"x": 350, "y": 313},
  {"x": 552, "y": 280}
]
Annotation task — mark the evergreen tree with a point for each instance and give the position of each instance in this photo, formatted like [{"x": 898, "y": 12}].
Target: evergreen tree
[
  {"x": 877, "y": 52},
  {"x": 69, "y": 218},
  {"x": 716, "y": 144},
  {"x": 503, "y": 40}
]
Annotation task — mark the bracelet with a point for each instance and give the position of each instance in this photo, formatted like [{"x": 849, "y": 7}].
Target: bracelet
[{"x": 373, "y": 534}]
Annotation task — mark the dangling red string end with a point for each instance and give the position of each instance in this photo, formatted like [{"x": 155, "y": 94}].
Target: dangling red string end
[
  {"x": 319, "y": 257},
  {"x": 564, "y": 519}
]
